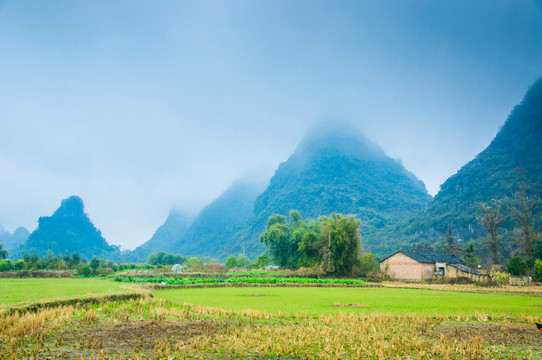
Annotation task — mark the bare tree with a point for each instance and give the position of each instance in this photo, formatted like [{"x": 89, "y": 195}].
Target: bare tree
[
  {"x": 492, "y": 219},
  {"x": 524, "y": 209}
]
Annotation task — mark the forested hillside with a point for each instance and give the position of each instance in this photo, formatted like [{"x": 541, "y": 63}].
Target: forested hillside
[
  {"x": 336, "y": 170},
  {"x": 513, "y": 158},
  {"x": 212, "y": 229}
]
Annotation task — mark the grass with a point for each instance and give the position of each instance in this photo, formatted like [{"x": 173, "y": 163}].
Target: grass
[
  {"x": 13, "y": 291},
  {"x": 268, "y": 322},
  {"x": 315, "y": 301},
  {"x": 155, "y": 329}
]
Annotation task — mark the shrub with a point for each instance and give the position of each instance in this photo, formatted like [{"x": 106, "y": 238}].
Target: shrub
[
  {"x": 368, "y": 264},
  {"x": 516, "y": 266},
  {"x": 538, "y": 270},
  {"x": 6, "y": 265},
  {"x": 84, "y": 270},
  {"x": 104, "y": 271},
  {"x": 216, "y": 268},
  {"x": 501, "y": 278},
  {"x": 19, "y": 265},
  {"x": 243, "y": 261},
  {"x": 231, "y": 262}
]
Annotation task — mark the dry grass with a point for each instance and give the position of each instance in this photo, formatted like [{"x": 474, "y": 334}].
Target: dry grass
[
  {"x": 532, "y": 290},
  {"x": 155, "y": 329}
]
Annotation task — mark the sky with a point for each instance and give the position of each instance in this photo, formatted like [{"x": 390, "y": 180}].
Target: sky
[{"x": 141, "y": 106}]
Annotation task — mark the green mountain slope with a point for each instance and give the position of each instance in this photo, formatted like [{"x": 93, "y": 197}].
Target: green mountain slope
[
  {"x": 164, "y": 238},
  {"x": 69, "y": 229},
  {"x": 215, "y": 224},
  {"x": 493, "y": 174},
  {"x": 336, "y": 170}
]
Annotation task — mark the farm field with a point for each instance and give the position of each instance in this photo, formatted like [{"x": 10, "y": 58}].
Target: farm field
[
  {"x": 27, "y": 290},
  {"x": 316, "y": 301},
  {"x": 273, "y": 322}
]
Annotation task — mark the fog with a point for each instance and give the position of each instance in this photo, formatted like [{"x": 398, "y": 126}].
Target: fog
[{"x": 140, "y": 106}]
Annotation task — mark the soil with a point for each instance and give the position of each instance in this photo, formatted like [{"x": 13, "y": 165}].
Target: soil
[
  {"x": 492, "y": 333},
  {"x": 127, "y": 337}
]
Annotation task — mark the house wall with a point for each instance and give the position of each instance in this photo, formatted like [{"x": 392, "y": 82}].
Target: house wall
[
  {"x": 454, "y": 273},
  {"x": 403, "y": 267}
]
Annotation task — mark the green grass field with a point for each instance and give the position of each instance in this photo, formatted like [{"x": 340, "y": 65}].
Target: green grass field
[
  {"x": 315, "y": 301},
  {"x": 385, "y": 323},
  {"x": 28, "y": 290}
]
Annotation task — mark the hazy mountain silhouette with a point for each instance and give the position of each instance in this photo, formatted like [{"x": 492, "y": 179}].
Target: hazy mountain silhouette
[
  {"x": 213, "y": 228},
  {"x": 69, "y": 229},
  {"x": 335, "y": 169},
  {"x": 11, "y": 242},
  {"x": 165, "y": 237}
]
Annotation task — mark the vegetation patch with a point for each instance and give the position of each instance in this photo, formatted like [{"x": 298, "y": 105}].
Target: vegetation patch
[
  {"x": 155, "y": 329},
  {"x": 336, "y": 305},
  {"x": 316, "y": 301},
  {"x": 238, "y": 280},
  {"x": 29, "y": 290},
  {"x": 508, "y": 334}
]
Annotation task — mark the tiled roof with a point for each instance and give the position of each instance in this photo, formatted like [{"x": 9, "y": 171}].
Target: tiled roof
[
  {"x": 429, "y": 256},
  {"x": 416, "y": 256},
  {"x": 438, "y": 256},
  {"x": 465, "y": 269}
]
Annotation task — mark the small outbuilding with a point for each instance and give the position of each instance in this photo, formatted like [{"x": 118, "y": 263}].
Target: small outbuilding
[{"x": 419, "y": 265}]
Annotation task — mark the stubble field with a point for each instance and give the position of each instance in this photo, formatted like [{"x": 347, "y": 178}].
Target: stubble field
[{"x": 260, "y": 323}]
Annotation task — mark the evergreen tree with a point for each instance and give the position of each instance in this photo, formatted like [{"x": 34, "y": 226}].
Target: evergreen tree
[
  {"x": 470, "y": 258},
  {"x": 537, "y": 250},
  {"x": 94, "y": 263},
  {"x": 451, "y": 247},
  {"x": 516, "y": 266}
]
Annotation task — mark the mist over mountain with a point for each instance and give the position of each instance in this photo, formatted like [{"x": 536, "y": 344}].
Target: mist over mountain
[
  {"x": 494, "y": 174},
  {"x": 165, "y": 237},
  {"x": 336, "y": 169},
  {"x": 215, "y": 224},
  {"x": 69, "y": 229},
  {"x": 10, "y": 242},
  {"x": 333, "y": 169}
]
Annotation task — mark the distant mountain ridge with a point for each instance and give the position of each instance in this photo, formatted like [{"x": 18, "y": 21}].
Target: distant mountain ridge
[
  {"x": 11, "y": 242},
  {"x": 208, "y": 234},
  {"x": 218, "y": 222},
  {"x": 334, "y": 169},
  {"x": 69, "y": 229},
  {"x": 165, "y": 237}
]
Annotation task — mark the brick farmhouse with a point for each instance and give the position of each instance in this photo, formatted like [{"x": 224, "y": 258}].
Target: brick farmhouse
[{"x": 420, "y": 265}]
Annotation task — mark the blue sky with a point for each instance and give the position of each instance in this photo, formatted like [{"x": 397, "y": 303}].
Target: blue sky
[{"x": 138, "y": 106}]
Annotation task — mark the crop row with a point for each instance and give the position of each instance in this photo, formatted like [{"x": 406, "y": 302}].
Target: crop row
[{"x": 239, "y": 280}]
